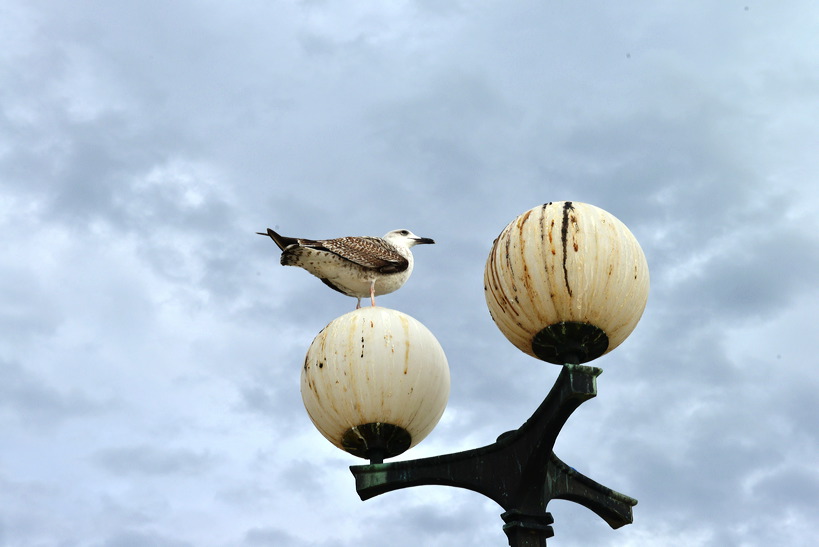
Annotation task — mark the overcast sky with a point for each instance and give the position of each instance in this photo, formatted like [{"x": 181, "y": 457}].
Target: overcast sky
[{"x": 151, "y": 344}]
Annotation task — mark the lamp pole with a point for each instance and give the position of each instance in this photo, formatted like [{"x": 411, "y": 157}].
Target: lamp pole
[
  {"x": 566, "y": 283},
  {"x": 519, "y": 471}
]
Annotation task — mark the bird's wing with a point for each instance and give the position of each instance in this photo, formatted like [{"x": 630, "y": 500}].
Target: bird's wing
[{"x": 369, "y": 252}]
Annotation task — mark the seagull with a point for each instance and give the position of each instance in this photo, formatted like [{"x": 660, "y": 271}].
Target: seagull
[{"x": 355, "y": 266}]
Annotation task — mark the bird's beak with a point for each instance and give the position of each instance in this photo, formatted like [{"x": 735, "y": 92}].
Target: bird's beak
[{"x": 420, "y": 240}]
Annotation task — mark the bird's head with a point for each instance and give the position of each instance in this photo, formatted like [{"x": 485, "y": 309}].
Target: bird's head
[{"x": 405, "y": 238}]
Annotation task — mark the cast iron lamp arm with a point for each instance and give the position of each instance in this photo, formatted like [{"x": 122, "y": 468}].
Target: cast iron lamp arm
[{"x": 566, "y": 483}]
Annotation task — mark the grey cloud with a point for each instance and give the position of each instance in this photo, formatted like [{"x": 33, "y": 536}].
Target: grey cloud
[
  {"x": 273, "y": 537},
  {"x": 133, "y": 538},
  {"x": 147, "y": 460},
  {"x": 31, "y": 400}
]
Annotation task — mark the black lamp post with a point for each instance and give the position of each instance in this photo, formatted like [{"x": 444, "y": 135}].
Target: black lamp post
[
  {"x": 566, "y": 283},
  {"x": 520, "y": 471}
]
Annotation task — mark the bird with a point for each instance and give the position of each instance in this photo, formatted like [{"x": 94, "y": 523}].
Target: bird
[{"x": 356, "y": 266}]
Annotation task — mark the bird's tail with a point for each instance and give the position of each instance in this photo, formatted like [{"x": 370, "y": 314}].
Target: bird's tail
[{"x": 281, "y": 241}]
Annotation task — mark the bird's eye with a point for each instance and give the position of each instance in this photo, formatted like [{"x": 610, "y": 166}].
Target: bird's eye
[{"x": 404, "y": 232}]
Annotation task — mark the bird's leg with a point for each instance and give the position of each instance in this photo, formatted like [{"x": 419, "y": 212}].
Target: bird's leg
[
  {"x": 372, "y": 292},
  {"x": 358, "y": 303}
]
